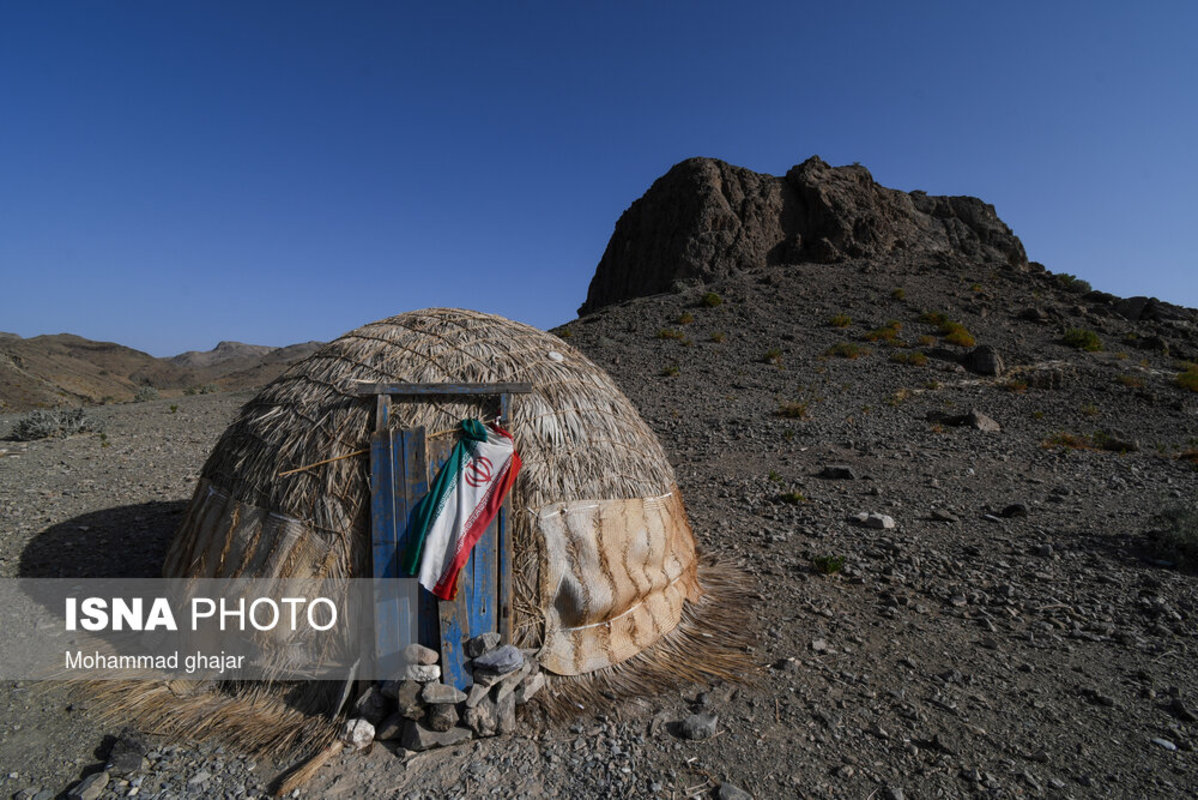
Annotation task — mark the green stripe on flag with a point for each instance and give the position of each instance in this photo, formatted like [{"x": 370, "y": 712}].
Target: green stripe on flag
[{"x": 433, "y": 503}]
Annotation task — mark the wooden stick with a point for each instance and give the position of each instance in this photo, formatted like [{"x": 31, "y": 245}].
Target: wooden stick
[
  {"x": 304, "y": 774},
  {"x": 326, "y": 461}
]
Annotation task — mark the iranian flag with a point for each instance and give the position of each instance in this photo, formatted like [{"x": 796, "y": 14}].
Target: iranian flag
[{"x": 465, "y": 496}]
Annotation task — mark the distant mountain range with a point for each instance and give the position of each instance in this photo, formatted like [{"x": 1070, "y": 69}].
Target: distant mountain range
[{"x": 64, "y": 369}]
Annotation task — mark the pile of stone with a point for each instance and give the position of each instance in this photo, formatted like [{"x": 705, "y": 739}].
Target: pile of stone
[{"x": 422, "y": 712}]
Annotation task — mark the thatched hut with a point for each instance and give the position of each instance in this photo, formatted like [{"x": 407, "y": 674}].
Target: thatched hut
[{"x": 609, "y": 587}]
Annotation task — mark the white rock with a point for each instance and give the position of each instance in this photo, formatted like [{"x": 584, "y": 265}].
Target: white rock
[
  {"x": 357, "y": 734},
  {"x": 880, "y": 521},
  {"x": 423, "y": 673}
]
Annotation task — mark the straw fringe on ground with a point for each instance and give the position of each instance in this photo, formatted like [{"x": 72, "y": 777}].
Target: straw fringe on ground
[
  {"x": 259, "y": 719},
  {"x": 709, "y": 644}
]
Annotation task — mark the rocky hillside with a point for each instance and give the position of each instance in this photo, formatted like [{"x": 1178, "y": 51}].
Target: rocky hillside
[
  {"x": 65, "y": 369},
  {"x": 706, "y": 219}
]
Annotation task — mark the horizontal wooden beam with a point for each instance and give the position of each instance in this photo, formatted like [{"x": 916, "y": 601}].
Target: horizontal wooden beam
[{"x": 444, "y": 388}]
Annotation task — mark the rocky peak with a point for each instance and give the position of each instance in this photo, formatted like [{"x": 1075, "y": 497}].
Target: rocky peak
[{"x": 705, "y": 219}]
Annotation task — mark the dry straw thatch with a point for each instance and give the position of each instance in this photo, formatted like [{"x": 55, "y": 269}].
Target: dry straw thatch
[{"x": 640, "y": 611}]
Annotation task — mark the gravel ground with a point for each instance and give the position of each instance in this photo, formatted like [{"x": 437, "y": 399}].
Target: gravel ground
[{"x": 1014, "y": 634}]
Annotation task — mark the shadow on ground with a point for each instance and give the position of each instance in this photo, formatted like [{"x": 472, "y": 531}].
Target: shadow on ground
[{"x": 119, "y": 542}]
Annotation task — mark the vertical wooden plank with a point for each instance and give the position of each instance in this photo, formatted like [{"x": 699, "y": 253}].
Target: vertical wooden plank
[
  {"x": 453, "y": 639},
  {"x": 402, "y": 588},
  {"x": 388, "y": 648},
  {"x": 421, "y": 603},
  {"x": 478, "y": 598},
  {"x": 503, "y": 546},
  {"x": 450, "y": 614}
]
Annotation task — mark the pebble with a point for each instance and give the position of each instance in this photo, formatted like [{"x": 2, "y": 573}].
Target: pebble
[
  {"x": 698, "y": 726},
  {"x": 419, "y": 738},
  {"x": 442, "y": 717},
  {"x": 730, "y": 791},
  {"x": 978, "y": 421},
  {"x": 419, "y": 654},
  {"x": 90, "y": 788},
  {"x": 357, "y": 733},
  {"x": 838, "y": 472},
  {"x": 391, "y": 727},
  {"x": 1165, "y": 743},
  {"x": 408, "y": 699},
  {"x": 875, "y": 520},
  {"x": 440, "y": 694},
  {"x": 1179, "y": 709},
  {"x": 482, "y": 643},
  {"x": 501, "y": 660},
  {"x": 483, "y": 717},
  {"x": 529, "y": 687},
  {"x": 1015, "y": 510},
  {"x": 423, "y": 673}
]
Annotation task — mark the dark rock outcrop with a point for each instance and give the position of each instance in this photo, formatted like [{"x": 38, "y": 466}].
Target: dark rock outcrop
[{"x": 705, "y": 219}]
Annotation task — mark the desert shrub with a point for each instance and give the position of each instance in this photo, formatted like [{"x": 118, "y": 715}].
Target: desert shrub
[
  {"x": 953, "y": 332},
  {"x": 898, "y": 398},
  {"x": 798, "y": 410},
  {"x": 1177, "y": 539},
  {"x": 771, "y": 356},
  {"x": 827, "y": 565},
  {"x": 840, "y": 321},
  {"x": 1072, "y": 283},
  {"x": 671, "y": 371},
  {"x": 1188, "y": 378},
  {"x": 145, "y": 393},
  {"x": 793, "y": 498},
  {"x": 846, "y": 350},
  {"x": 956, "y": 334},
  {"x": 975, "y": 287},
  {"x": 899, "y": 293},
  {"x": 926, "y": 341},
  {"x": 710, "y": 300},
  {"x": 1016, "y": 385},
  {"x": 44, "y": 423},
  {"x": 686, "y": 318},
  {"x": 914, "y": 359},
  {"x": 1130, "y": 381},
  {"x": 961, "y": 338},
  {"x": 1082, "y": 339},
  {"x": 718, "y": 337},
  {"x": 565, "y": 333},
  {"x": 888, "y": 333},
  {"x": 670, "y": 333},
  {"x": 1070, "y": 441}
]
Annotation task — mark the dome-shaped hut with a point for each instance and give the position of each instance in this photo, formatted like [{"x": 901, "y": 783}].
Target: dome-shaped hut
[{"x": 607, "y": 581}]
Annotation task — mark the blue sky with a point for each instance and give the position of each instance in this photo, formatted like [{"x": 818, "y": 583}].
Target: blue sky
[{"x": 173, "y": 174}]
